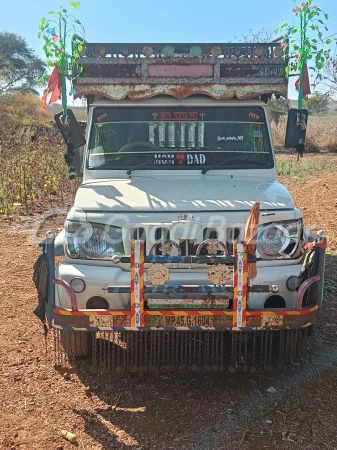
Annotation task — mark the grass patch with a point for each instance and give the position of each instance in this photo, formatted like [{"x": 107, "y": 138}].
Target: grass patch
[
  {"x": 324, "y": 116},
  {"x": 304, "y": 168}
]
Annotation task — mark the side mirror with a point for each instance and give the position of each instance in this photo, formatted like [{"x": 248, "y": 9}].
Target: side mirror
[
  {"x": 70, "y": 128},
  {"x": 296, "y": 129},
  {"x": 74, "y": 138}
]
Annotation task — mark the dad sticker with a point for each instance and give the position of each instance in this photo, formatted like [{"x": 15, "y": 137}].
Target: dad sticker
[{"x": 195, "y": 158}]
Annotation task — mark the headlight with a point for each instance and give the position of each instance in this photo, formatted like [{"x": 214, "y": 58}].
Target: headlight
[
  {"x": 278, "y": 240},
  {"x": 92, "y": 240}
]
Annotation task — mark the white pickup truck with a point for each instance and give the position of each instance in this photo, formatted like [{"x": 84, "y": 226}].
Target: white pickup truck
[{"x": 161, "y": 249}]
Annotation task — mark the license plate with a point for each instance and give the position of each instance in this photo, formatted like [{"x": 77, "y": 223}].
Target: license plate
[
  {"x": 187, "y": 303},
  {"x": 188, "y": 321}
]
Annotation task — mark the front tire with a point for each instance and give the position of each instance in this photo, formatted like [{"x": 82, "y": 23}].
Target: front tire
[{"x": 76, "y": 343}]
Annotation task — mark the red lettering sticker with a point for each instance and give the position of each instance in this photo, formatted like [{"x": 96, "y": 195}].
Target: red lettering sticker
[
  {"x": 101, "y": 117},
  {"x": 254, "y": 116},
  {"x": 165, "y": 116},
  {"x": 180, "y": 115},
  {"x": 191, "y": 116}
]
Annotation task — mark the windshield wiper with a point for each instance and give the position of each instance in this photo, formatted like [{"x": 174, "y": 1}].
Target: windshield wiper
[
  {"x": 239, "y": 160},
  {"x": 149, "y": 161}
]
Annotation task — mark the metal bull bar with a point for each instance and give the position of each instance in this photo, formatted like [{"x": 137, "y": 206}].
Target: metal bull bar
[{"x": 144, "y": 339}]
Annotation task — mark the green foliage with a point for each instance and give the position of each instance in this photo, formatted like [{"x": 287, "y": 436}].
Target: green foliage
[
  {"x": 105, "y": 136},
  {"x": 63, "y": 37},
  {"x": 304, "y": 168},
  {"x": 303, "y": 40},
  {"x": 75, "y": 5},
  {"x": 278, "y": 108},
  {"x": 20, "y": 68},
  {"x": 317, "y": 103}
]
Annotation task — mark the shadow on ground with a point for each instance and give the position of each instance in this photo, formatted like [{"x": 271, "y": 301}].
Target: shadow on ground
[{"x": 208, "y": 411}]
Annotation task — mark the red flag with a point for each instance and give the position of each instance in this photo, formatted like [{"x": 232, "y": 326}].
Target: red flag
[
  {"x": 53, "y": 88},
  {"x": 306, "y": 83}
]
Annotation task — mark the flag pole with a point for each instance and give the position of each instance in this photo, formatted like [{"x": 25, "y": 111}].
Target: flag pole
[
  {"x": 303, "y": 25},
  {"x": 64, "y": 64}
]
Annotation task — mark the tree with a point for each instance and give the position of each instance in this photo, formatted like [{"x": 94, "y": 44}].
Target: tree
[
  {"x": 318, "y": 102},
  {"x": 20, "y": 67},
  {"x": 21, "y": 109},
  {"x": 330, "y": 75},
  {"x": 251, "y": 36},
  {"x": 63, "y": 37},
  {"x": 278, "y": 107},
  {"x": 303, "y": 43}
]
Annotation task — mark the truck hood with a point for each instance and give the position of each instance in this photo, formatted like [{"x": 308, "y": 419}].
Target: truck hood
[{"x": 183, "y": 195}]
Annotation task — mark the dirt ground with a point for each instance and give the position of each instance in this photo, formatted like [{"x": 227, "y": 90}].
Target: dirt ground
[{"x": 191, "y": 412}]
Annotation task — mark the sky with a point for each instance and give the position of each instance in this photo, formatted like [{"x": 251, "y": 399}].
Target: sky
[{"x": 153, "y": 21}]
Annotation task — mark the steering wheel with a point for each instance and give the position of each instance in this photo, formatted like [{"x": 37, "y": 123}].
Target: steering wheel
[{"x": 140, "y": 145}]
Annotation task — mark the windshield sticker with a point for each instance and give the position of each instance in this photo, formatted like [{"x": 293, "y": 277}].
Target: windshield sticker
[
  {"x": 179, "y": 159},
  {"x": 178, "y": 116},
  {"x": 230, "y": 138},
  {"x": 101, "y": 117},
  {"x": 254, "y": 116},
  {"x": 164, "y": 159},
  {"x": 257, "y": 134},
  {"x": 196, "y": 158}
]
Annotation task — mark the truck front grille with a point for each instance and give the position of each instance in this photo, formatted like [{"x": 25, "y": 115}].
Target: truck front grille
[{"x": 188, "y": 246}]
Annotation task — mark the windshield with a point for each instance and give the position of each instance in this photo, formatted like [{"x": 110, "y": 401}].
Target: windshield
[{"x": 179, "y": 138}]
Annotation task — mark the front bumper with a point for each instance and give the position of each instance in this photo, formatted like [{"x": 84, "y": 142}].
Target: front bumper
[
  {"x": 98, "y": 278},
  {"x": 129, "y": 310}
]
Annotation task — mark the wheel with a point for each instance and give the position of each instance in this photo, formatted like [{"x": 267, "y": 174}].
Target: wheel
[{"x": 76, "y": 343}]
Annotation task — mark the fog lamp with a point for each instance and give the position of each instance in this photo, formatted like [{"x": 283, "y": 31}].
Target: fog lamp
[
  {"x": 292, "y": 283},
  {"x": 78, "y": 285}
]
